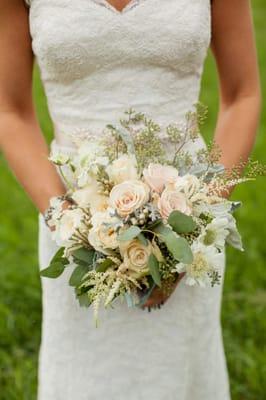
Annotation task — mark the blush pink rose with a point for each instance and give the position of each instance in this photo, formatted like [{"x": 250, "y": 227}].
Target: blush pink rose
[
  {"x": 171, "y": 200},
  {"x": 157, "y": 176},
  {"x": 128, "y": 196}
]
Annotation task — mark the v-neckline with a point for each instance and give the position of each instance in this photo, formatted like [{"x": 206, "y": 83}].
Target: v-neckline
[{"x": 105, "y": 3}]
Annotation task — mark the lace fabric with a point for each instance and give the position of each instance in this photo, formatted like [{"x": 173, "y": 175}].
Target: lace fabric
[{"x": 96, "y": 63}]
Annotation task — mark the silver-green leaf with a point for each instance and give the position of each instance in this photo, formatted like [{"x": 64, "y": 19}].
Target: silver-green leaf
[
  {"x": 129, "y": 234},
  {"x": 181, "y": 223},
  {"x": 153, "y": 265}
]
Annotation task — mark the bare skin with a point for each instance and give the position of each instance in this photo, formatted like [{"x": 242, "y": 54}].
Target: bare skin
[{"x": 233, "y": 47}]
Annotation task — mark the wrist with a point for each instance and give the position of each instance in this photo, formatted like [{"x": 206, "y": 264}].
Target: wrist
[{"x": 56, "y": 203}]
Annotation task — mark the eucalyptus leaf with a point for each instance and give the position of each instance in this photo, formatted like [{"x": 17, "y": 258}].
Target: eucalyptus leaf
[
  {"x": 77, "y": 275},
  {"x": 85, "y": 255},
  {"x": 59, "y": 257},
  {"x": 84, "y": 300},
  {"x": 129, "y": 234},
  {"x": 103, "y": 266},
  {"x": 181, "y": 223},
  {"x": 178, "y": 246},
  {"x": 142, "y": 239},
  {"x": 153, "y": 265},
  {"x": 54, "y": 270}
]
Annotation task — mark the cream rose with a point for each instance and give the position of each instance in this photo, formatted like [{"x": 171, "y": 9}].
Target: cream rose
[
  {"x": 157, "y": 176},
  {"x": 128, "y": 196},
  {"x": 89, "y": 197},
  {"x": 122, "y": 169},
  {"x": 136, "y": 255},
  {"x": 103, "y": 234},
  {"x": 172, "y": 199}
]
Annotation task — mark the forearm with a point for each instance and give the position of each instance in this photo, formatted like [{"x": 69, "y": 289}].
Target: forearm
[
  {"x": 236, "y": 129},
  {"x": 26, "y": 152}
]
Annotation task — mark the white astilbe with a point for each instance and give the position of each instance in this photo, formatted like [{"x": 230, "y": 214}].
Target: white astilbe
[
  {"x": 105, "y": 286},
  {"x": 113, "y": 291}
]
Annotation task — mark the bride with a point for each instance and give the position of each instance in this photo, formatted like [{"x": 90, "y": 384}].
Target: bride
[{"x": 98, "y": 58}]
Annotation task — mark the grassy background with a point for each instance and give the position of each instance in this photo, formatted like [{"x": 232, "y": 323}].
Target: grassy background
[{"x": 244, "y": 303}]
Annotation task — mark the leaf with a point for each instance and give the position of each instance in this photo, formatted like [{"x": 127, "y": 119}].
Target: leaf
[
  {"x": 85, "y": 255},
  {"x": 181, "y": 223},
  {"x": 54, "y": 270},
  {"x": 104, "y": 265},
  {"x": 129, "y": 234},
  {"x": 57, "y": 265},
  {"x": 142, "y": 239},
  {"x": 178, "y": 246},
  {"x": 144, "y": 296},
  {"x": 77, "y": 275},
  {"x": 84, "y": 300},
  {"x": 129, "y": 299},
  {"x": 127, "y": 139},
  {"x": 59, "y": 257},
  {"x": 153, "y": 265}
]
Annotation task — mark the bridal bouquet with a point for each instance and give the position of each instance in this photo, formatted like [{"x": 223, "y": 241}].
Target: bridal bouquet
[{"x": 140, "y": 214}]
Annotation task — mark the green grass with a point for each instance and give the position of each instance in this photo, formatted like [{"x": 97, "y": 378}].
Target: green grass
[{"x": 244, "y": 303}]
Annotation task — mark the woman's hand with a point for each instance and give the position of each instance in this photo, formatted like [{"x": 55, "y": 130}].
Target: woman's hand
[{"x": 159, "y": 297}]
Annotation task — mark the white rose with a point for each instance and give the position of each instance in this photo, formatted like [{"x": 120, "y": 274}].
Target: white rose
[
  {"x": 69, "y": 222},
  {"x": 103, "y": 234},
  {"x": 122, "y": 169},
  {"x": 189, "y": 184},
  {"x": 128, "y": 196},
  {"x": 157, "y": 176},
  {"x": 172, "y": 199},
  {"x": 89, "y": 197}
]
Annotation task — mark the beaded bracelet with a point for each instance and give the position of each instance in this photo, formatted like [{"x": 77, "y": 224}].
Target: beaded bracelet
[{"x": 48, "y": 213}]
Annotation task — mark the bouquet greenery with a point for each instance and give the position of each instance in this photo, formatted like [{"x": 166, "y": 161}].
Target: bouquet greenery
[{"x": 140, "y": 214}]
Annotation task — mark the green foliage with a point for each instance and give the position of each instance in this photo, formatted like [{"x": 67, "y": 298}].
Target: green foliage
[
  {"x": 243, "y": 317},
  {"x": 181, "y": 223},
  {"x": 177, "y": 245},
  {"x": 77, "y": 275},
  {"x": 84, "y": 255},
  {"x": 129, "y": 234},
  {"x": 153, "y": 265},
  {"x": 56, "y": 267}
]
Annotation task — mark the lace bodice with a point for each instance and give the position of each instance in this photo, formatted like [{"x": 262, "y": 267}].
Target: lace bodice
[{"x": 96, "y": 62}]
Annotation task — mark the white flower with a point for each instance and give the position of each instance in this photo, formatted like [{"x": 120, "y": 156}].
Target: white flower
[
  {"x": 128, "y": 196},
  {"x": 87, "y": 160},
  {"x": 189, "y": 184},
  {"x": 122, "y": 169},
  {"x": 234, "y": 238},
  {"x": 206, "y": 259},
  {"x": 103, "y": 234},
  {"x": 67, "y": 225},
  {"x": 89, "y": 197},
  {"x": 215, "y": 233},
  {"x": 214, "y": 206},
  {"x": 59, "y": 158}
]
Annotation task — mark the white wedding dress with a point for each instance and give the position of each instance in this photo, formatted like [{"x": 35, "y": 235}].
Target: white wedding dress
[{"x": 95, "y": 63}]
